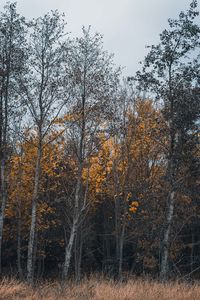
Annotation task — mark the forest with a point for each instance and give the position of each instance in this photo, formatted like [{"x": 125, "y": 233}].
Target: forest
[{"x": 99, "y": 173}]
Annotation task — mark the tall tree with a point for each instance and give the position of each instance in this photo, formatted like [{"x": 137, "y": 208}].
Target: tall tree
[
  {"x": 42, "y": 93},
  {"x": 12, "y": 39},
  {"x": 171, "y": 76},
  {"x": 95, "y": 82}
]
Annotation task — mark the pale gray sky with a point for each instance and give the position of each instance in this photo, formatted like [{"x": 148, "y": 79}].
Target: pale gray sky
[{"x": 127, "y": 25}]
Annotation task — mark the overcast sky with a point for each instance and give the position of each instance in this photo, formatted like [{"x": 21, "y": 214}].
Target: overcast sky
[{"x": 127, "y": 25}]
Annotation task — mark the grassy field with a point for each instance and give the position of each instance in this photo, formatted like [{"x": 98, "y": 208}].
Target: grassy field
[{"x": 99, "y": 290}]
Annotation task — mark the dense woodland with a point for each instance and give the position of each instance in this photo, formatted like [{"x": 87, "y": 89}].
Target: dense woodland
[{"x": 99, "y": 173}]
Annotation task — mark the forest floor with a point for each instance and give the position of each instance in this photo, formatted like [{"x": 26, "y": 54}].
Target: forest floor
[{"x": 95, "y": 289}]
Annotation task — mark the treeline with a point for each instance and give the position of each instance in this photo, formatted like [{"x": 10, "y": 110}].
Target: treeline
[{"x": 95, "y": 176}]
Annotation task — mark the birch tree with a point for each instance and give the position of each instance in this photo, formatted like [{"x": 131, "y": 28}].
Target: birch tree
[
  {"x": 95, "y": 81},
  {"x": 42, "y": 89}
]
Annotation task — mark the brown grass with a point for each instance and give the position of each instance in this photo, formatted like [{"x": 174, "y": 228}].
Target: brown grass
[{"x": 100, "y": 290}]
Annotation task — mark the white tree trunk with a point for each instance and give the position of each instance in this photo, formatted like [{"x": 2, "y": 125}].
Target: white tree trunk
[
  {"x": 69, "y": 246},
  {"x": 31, "y": 244},
  {"x": 78, "y": 254},
  {"x": 166, "y": 238},
  {"x": 68, "y": 249}
]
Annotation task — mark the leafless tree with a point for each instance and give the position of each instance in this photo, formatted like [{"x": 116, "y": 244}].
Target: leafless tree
[
  {"x": 12, "y": 39},
  {"x": 42, "y": 94},
  {"x": 95, "y": 82}
]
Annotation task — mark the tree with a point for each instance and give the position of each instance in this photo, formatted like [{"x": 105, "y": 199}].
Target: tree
[
  {"x": 12, "y": 57},
  {"x": 95, "y": 82},
  {"x": 169, "y": 74},
  {"x": 21, "y": 184},
  {"x": 43, "y": 95},
  {"x": 137, "y": 162}
]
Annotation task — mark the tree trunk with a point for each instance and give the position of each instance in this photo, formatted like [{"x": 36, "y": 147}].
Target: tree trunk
[
  {"x": 76, "y": 215},
  {"x": 77, "y": 208},
  {"x": 171, "y": 178},
  {"x": 117, "y": 231},
  {"x": 19, "y": 267},
  {"x": 3, "y": 204},
  {"x": 166, "y": 239},
  {"x": 78, "y": 255},
  {"x": 117, "y": 217},
  {"x": 68, "y": 249},
  {"x": 31, "y": 244},
  {"x": 121, "y": 247},
  {"x": 192, "y": 253}
]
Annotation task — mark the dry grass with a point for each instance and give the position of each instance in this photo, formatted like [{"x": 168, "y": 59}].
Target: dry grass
[{"x": 100, "y": 290}]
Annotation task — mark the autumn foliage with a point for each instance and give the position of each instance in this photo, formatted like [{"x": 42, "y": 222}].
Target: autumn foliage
[{"x": 99, "y": 174}]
